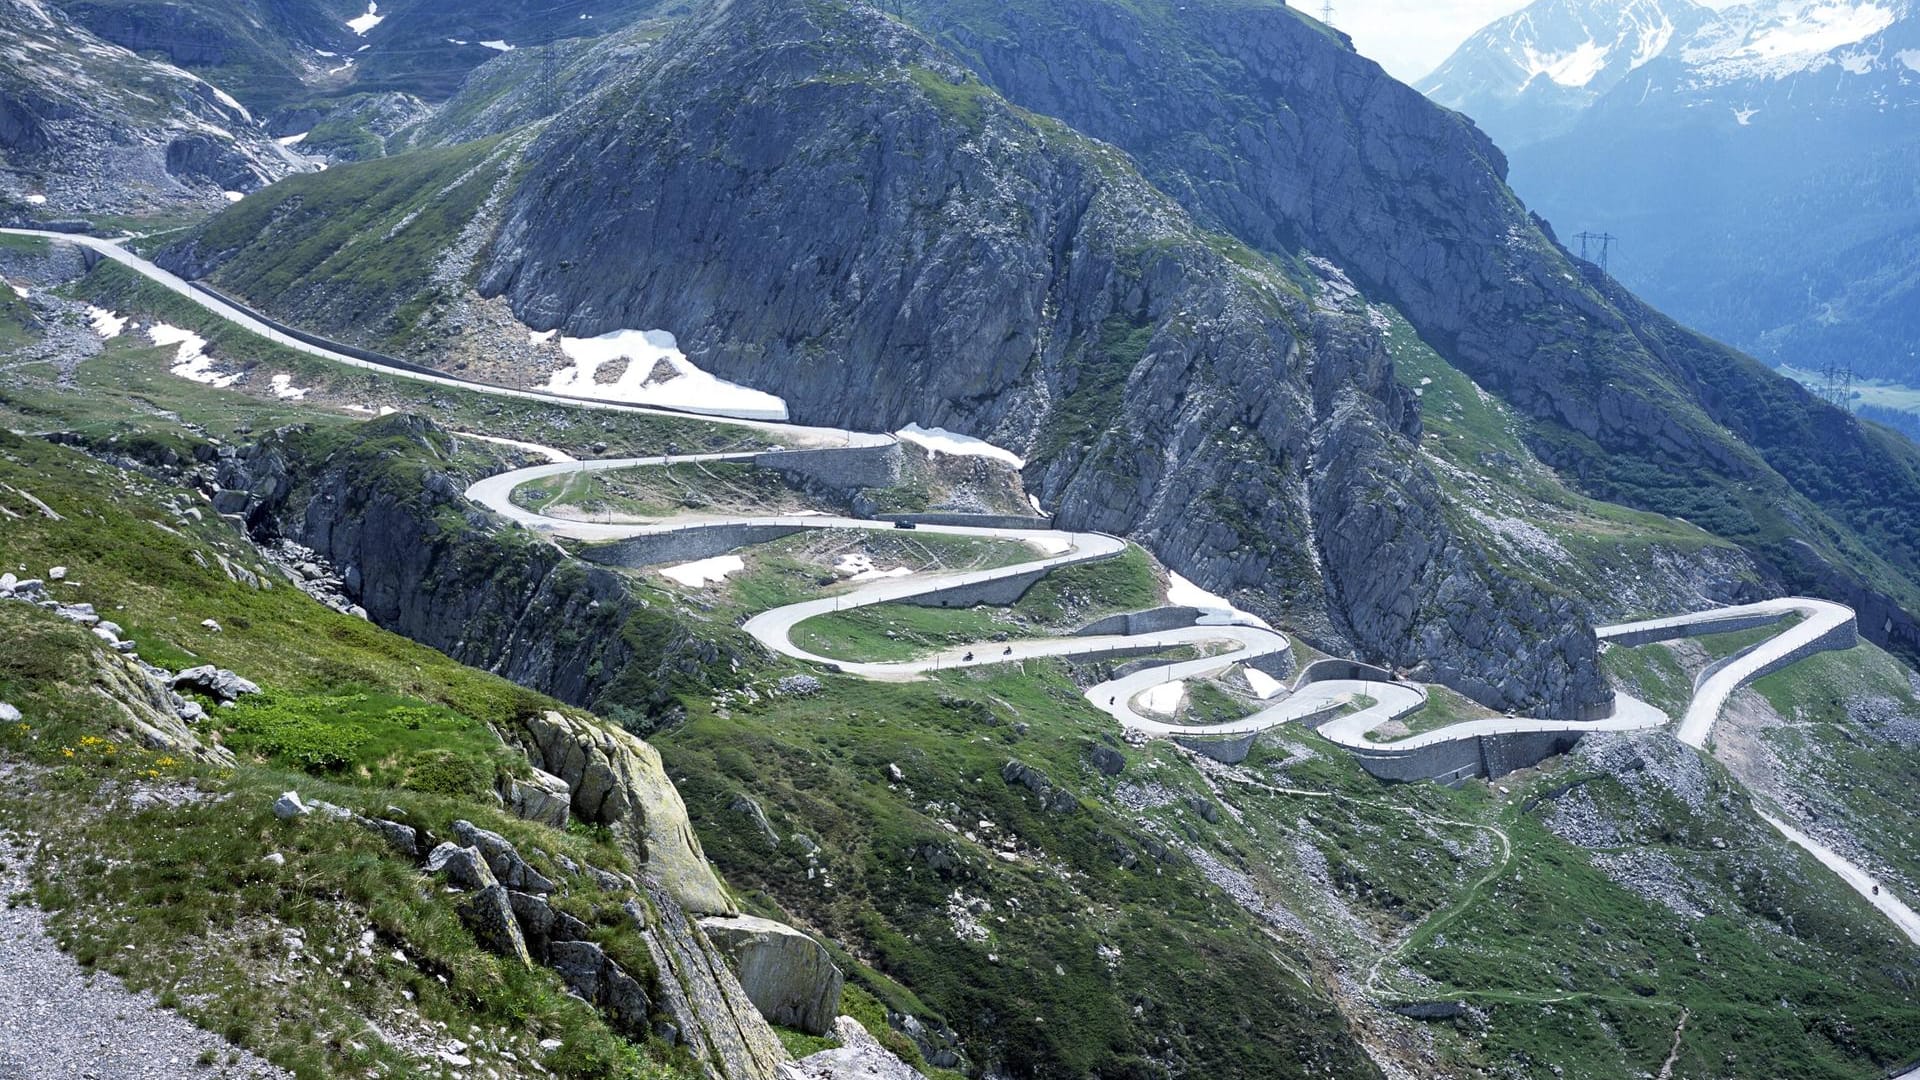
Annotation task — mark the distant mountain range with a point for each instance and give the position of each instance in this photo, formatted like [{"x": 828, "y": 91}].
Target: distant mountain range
[{"x": 1758, "y": 164}]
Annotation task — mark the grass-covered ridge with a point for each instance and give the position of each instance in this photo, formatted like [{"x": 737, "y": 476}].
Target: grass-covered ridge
[
  {"x": 355, "y": 241},
  {"x": 351, "y": 713}
]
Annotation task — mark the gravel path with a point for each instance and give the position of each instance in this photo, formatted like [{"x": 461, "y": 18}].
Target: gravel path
[{"x": 59, "y": 1021}]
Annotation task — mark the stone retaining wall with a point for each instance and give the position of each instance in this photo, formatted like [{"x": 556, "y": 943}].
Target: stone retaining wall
[
  {"x": 998, "y": 592},
  {"x": 972, "y": 521},
  {"x": 1150, "y": 621},
  {"x": 843, "y": 467},
  {"x": 683, "y": 545},
  {"x": 1727, "y": 625}
]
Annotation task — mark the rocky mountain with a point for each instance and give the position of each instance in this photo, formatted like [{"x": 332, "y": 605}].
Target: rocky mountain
[
  {"x": 87, "y": 126},
  {"x": 282, "y": 56},
  {"x": 1161, "y": 379},
  {"x": 1164, "y": 381},
  {"x": 1758, "y": 173},
  {"x": 1528, "y": 75}
]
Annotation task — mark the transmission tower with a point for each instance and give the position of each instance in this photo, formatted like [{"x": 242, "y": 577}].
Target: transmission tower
[
  {"x": 1603, "y": 241},
  {"x": 1836, "y": 385},
  {"x": 549, "y": 91},
  {"x": 1326, "y": 12}
]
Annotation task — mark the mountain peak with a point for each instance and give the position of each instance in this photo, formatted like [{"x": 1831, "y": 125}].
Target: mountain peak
[{"x": 1556, "y": 56}]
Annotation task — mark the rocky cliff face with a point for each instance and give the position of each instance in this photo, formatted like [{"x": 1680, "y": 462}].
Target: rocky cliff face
[
  {"x": 380, "y": 509},
  {"x": 89, "y": 127},
  {"x": 1003, "y": 276},
  {"x": 1258, "y": 121}
]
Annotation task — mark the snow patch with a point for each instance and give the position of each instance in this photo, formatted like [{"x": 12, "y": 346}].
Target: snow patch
[
  {"x": 1034, "y": 501},
  {"x": 681, "y": 386},
  {"x": 939, "y": 441},
  {"x": 1264, "y": 685},
  {"x": 858, "y": 566},
  {"x": 191, "y": 360},
  {"x": 106, "y": 323},
  {"x": 541, "y": 337},
  {"x": 19, "y": 290},
  {"x": 1790, "y": 39},
  {"x": 36, "y": 200},
  {"x": 293, "y": 140},
  {"x": 497, "y": 46},
  {"x": 1574, "y": 68},
  {"x": 234, "y": 196},
  {"x": 284, "y": 389},
  {"x": 360, "y": 24},
  {"x": 1165, "y": 698},
  {"x": 706, "y": 571},
  {"x": 1744, "y": 117},
  {"x": 1216, "y": 610}
]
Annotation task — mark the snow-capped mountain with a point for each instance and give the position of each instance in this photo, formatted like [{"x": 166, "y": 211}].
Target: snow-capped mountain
[
  {"x": 1529, "y": 74},
  {"x": 1758, "y": 167}
]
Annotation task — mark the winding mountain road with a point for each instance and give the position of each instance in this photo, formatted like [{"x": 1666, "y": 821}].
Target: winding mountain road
[{"x": 1823, "y": 625}]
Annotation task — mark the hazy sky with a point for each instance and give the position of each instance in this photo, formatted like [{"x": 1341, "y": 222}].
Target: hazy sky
[{"x": 1410, "y": 37}]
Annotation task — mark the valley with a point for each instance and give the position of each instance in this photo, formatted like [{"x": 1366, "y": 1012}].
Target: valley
[{"x": 834, "y": 541}]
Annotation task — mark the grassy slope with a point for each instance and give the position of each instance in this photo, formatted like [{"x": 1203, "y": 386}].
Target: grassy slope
[
  {"x": 352, "y": 714},
  {"x": 1059, "y": 603},
  {"x": 360, "y": 241},
  {"x": 128, "y": 391}
]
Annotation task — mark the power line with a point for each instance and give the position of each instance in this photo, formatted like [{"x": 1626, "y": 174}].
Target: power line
[
  {"x": 1604, "y": 241},
  {"x": 1836, "y": 385}
]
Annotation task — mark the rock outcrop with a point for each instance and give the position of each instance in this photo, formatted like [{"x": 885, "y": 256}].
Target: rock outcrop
[
  {"x": 617, "y": 780},
  {"x": 89, "y": 127},
  {"x": 423, "y": 563},
  {"x": 788, "y": 975},
  {"x": 858, "y": 1057}
]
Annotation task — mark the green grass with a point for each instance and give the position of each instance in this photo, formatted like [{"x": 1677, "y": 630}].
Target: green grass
[
  {"x": 127, "y": 391},
  {"x": 1059, "y": 603},
  {"x": 817, "y": 765},
  {"x": 661, "y": 491},
  {"x": 141, "y": 892},
  {"x": 1651, "y": 673},
  {"x": 361, "y": 240},
  {"x": 1444, "y": 708}
]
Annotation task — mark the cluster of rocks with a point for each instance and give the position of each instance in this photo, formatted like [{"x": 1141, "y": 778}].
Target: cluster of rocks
[
  {"x": 312, "y": 574},
  {"x": 1053, "y": 799},
  {"x": 507, "y": 907}
]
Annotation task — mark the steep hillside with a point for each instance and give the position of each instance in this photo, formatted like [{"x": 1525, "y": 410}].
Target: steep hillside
[
  {"x": 1758, "y": 171},
  {"x": 1008, "y": 277},
  {"x": 286, "y": 57},
  {"x": 91, "y": 128},
  {"x": 1430, "y": 227}
]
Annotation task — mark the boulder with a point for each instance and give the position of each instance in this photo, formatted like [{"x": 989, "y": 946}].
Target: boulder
[
  {"x": 788, "y": 975},
  {"x": 219, "y": 683},
  {"x": 506, "y": 863},
  {"x": 489, "y": 914},
  {"x": 745, "y": 804},
  {"x": 404, "y": 839},
  {"x": 617, "y": 780},
  {"x": 579, "y": 964},
  {"x": 858, "y": 1057},
  {"x": 535, "y": 917},
  {"x": 8, "y": 714},
  {"x": 544, "y": 798},
  {"x": 288, "y": 806},
  {"x": 465, "y": 867},
  {"x": 1105, "y": 758}
]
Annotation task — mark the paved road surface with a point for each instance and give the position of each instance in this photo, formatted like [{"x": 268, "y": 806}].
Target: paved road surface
[{"x": 1390, "y": 700}]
